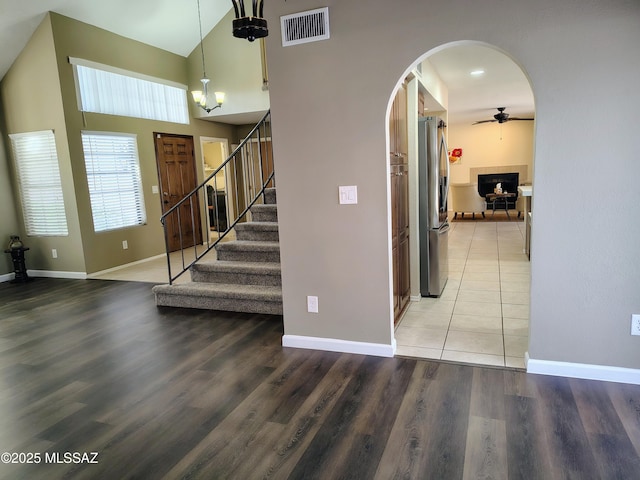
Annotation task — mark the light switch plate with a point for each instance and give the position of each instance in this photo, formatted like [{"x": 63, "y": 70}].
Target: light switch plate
[
  {"x": 312, "y": 304},
  {"x": 348, "y": 194},
  {"x": 635, "y": 324}
]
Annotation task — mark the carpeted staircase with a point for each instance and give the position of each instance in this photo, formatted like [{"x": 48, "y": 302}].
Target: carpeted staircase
[{"x": 246, "y": 275}]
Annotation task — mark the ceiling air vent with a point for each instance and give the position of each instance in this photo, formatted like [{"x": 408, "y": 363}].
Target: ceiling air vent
[{"x": 304, "y": 27}]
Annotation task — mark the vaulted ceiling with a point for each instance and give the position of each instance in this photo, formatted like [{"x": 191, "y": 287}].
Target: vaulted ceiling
[{"x": 171, "y": 25}]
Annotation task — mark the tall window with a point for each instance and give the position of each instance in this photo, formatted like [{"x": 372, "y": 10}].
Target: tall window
[
  {"x": 105, "y": 89},
  {"x": 39, "y": 181},
  {"x": 113, "y": 174}
]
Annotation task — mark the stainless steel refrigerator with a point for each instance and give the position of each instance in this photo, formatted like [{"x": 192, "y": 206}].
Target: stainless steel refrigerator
[{"x": 433, "y": 175}]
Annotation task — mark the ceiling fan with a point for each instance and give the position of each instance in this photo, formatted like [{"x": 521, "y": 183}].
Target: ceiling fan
[{"x": 501, "y": 117}]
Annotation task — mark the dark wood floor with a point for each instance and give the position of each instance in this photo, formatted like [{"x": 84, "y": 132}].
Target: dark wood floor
[{"x": 94, "y": 366}]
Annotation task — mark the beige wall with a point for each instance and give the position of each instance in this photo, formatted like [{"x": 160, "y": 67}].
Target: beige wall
[
  {"x": 330, "y": 129},
  {"x": 9, "y": 224},
  {"x": 214, "y": 154},
  {"x": 243, "y": 130},
  {"x": 234, "y": 67},
  {"x": 488, "y": 145},
  {"x": 46, "y": 71},
  {"x": 31, "y": 98},
  {"x": 436, "y": 89},
  {"x": 75, "y": 39}
]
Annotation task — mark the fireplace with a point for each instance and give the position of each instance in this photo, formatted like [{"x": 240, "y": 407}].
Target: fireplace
[{"x": 509, "y": 181}]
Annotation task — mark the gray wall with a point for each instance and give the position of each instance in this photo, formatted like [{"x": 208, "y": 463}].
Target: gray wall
[{"x": 330, "y": 102}]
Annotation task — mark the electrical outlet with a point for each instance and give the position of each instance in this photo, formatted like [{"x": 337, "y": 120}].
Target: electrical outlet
[
  {"x": 312, "y": 304},
  {"x": 54, "y": 253},
  {"x": 125, "y": 244},
  {"x": 635, "y": 324}
]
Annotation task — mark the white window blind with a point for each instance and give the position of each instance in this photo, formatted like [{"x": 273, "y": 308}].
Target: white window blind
[
  {"x": 118, "y": 92},
  {"x": 113, "y": 175},
  {"x": 39, "y": 181}
]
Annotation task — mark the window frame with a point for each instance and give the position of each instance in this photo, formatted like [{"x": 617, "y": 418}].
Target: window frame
[
  {"x": 104, "y": 89},
  {"x": 101, "y": 185},
  {"x": 40, "y": 179}
]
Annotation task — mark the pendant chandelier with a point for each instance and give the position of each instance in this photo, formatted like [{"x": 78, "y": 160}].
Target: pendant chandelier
[
  {"x": 201, "y": 97},
  {"x": 251, "y": 27}
]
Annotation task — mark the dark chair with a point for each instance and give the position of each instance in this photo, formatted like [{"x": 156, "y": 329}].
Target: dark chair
[{"x": 217, "y": 205}]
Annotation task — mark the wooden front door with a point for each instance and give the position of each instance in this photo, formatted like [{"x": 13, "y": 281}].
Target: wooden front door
[{"x": 177, "y": 176}]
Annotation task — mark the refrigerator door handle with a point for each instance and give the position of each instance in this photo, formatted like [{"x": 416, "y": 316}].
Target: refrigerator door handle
[{"x": 445, "y": 150}]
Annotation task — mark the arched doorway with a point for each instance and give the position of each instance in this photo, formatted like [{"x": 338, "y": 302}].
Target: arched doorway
[{"x": 482, "y": 315}]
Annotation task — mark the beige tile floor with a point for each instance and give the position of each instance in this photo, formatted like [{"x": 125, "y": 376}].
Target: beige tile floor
[{"x": 482, "y": 316}]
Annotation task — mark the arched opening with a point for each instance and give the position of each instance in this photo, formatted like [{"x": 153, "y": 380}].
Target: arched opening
[{"x": 481, "y": 314}]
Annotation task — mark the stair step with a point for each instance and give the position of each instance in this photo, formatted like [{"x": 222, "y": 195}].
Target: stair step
[
  {"x": 261, "y": 231},
  {"x": 270, "y": 196},
  {"x": 249, "y": 251},
  {"x": 220, "y": 296},
  {"x": 264, "y": 213},
  {"x": 246, "y": 275},
  {"x": 241, "y": 273}
]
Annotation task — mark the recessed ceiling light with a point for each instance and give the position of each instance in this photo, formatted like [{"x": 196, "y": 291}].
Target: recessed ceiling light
[{"x": 475, "y": 73}]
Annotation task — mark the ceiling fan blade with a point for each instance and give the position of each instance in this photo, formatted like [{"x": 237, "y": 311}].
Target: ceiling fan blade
[{"x": 501, "y": 117}]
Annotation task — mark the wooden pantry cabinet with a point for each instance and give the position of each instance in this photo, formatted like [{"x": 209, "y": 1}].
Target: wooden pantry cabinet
[
  {"x": 398, "y": 143},
  {"x": 399, "y": 184}
]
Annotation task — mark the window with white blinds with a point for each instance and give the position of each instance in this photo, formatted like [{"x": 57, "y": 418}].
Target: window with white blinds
[
  {"x": 113, "y": 175},
  {"x": 105, "y": 89},
  {"x": 38, "y": 172}
]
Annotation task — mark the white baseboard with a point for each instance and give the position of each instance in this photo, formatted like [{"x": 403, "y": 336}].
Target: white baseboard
[
  {"x": 7, "y": 277},
  {"x": 336, "y": 345},
  {"x": 55, "y": 274},
  {"x": 131, "y": 264},
  {"x": 582, "y": 370}
]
